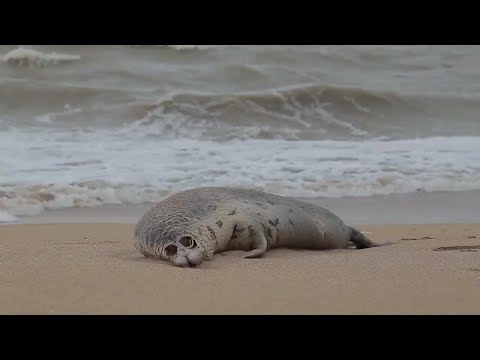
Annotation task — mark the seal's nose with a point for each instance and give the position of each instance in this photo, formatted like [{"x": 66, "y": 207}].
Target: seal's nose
[{"x": 171, "y": 250}]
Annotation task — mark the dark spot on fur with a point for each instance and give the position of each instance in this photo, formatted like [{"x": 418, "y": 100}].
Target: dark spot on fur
[
  {"x": 219, "y": 223},
  {"x": 290, "y": 210},
  {"x": 259, "y": 214},
  {"x": 241, "y": 230},
  {"x": 210, "y": 230},
  {"x": 234, "y": 211},
  {"x": 251, "y": 232},
  {"x": 233, "y": 234},
  {"x": 212, "y": 207},
  {"x": 199, "y": 218},
  {"x": 277, "y": 221},
  {"x": 269, "y": 232},
  {"x": 270, "y": 202},
  {"x": 272, "y": 223},
  {"x": 263, "y": 225},
  {"x": 291, "y": 222}
]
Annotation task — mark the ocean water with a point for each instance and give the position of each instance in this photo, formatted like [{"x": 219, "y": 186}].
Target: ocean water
[{"x": 84, "y": 126}]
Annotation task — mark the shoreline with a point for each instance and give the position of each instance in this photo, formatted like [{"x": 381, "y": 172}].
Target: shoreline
[
  {"x": 82, "y": 261},
  {"x": 410, "y": 208}
]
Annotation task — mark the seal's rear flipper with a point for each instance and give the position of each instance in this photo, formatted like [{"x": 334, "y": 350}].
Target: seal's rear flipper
[{"x": 360, "y": 240}]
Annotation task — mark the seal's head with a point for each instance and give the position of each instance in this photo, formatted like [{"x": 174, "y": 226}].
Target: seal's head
[{"x": 183, "y": 251}]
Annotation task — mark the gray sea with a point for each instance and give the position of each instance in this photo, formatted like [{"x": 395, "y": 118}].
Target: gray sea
[{"x": 84, "y": 126}]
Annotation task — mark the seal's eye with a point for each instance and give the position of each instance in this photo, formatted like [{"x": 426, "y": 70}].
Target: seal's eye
[
  {"x": 170, "y": 250},
  {"x": 187, "y": 241}
]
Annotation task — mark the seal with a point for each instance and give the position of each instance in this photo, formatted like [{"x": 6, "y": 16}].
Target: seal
[{"x": 191, "y": 226}]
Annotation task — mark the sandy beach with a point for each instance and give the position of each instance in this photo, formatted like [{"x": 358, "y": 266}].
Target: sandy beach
[
  {"x": 93, "y": 268},
  {"x": 385, "y": 136}
]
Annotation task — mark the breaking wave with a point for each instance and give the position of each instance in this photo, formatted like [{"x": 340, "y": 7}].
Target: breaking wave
[{"x": 29, "y": 57}]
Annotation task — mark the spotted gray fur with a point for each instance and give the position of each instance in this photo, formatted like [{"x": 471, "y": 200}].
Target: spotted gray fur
[{"x": 194, "y": 213}]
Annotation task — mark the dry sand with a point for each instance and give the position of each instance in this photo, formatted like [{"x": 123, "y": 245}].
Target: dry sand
[{"x": 94, "y": 269}]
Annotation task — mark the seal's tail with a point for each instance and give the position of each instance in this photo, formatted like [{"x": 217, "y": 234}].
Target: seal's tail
[{"x": 360, "y": 240}]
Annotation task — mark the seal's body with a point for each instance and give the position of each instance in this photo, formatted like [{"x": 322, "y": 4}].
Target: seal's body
[{"x": 191, "y": 226}]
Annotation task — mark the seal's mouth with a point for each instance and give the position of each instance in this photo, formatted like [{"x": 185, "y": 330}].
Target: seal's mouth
[
  {"x": 191, "y": 263},
  {"x": 189, "y": 259}
]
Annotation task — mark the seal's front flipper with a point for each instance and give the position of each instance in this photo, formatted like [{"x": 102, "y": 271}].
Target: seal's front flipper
[{"x": 259, "y": 246}]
